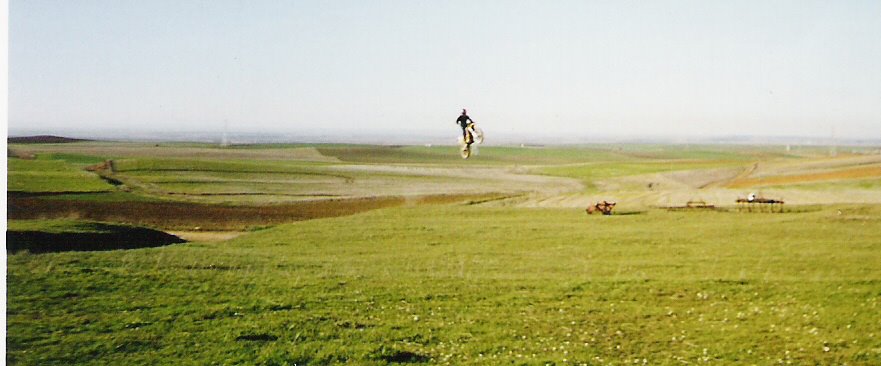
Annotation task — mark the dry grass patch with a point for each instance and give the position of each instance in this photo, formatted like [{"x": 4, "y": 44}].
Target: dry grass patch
[
  {"x": 206, "y": 236},
  {"x": 844, "y": 174}
]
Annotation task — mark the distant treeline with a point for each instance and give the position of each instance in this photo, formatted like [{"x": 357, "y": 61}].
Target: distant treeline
[{"x": 41, "y": 139}]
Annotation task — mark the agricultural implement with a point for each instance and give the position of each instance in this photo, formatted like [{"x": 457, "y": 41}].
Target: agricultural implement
[
  {"x": 759, "y": 204},
  {"x": 692, "y": 205}
]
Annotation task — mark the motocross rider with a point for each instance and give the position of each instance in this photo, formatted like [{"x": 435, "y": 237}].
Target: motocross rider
[{"x": 463, "y": 122}]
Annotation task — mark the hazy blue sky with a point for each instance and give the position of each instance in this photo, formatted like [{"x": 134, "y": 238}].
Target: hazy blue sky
[{"x": 666, "y": 68}]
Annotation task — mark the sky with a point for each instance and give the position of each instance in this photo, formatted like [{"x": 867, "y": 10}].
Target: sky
[{"x": 569, "y": 68}]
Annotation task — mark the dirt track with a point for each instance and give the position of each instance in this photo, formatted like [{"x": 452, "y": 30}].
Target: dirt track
[
  {"x": 359, "y": 187},
  {"x": 467, "y": 180},
  {"x": 713, "y": 186},
  {"x": 632, "y": 192},
  {"x": 197, "y": 217}
]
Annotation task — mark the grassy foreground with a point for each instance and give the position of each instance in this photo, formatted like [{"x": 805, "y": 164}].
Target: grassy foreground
[{"x": 469, "y": 285}]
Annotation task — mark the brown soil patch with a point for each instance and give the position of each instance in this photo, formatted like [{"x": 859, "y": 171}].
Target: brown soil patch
[
  {"x": 187, "y": 216},
  {"x": 21, "y": 155}
]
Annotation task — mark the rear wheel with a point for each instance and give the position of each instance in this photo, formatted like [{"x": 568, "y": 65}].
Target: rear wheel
[{"x": 465, "y": 152}]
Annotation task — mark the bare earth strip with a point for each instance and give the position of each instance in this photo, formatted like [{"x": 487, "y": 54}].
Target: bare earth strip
[
  {"x": 462, "y": 180},
  {"x": 720, "y": 187},
  {"x": 775, "y": 178},
  {"x": 206, "y": 236},
  {"x": 186, "y": 216},
  {"x": 363, "y": 181}
]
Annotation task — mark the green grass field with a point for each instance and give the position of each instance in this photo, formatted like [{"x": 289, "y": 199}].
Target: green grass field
[
  {"x": 515, "y": 273},
  {"x": 469, "y": 285},
  {"x": 51, "y": 176}
]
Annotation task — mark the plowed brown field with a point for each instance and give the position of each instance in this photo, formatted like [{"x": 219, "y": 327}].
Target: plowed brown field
[{"x": 194, "y": 216}]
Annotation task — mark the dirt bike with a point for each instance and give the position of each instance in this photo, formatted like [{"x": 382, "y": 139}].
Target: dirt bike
[{"x": 473, "y": 135}]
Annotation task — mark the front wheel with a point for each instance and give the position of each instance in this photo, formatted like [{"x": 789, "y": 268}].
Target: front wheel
[{"x": 476, "y": 134}]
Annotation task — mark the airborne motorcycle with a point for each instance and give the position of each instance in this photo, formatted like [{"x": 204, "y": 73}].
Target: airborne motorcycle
[{"x": 473, "y": 135}]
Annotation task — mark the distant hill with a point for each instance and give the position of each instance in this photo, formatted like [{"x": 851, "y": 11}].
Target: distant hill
[{"x": 41, "y": 139}]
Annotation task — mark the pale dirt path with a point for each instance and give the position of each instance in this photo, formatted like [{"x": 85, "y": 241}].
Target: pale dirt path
[
  {"x": 466, "y": 180},
  {"x": 679, "y": 187},
  {"x": 206, "y": 236},
  {"x": 634, "y": 193},
  {"x": 532, "y": 190},
  {"x": 743, "y": 174}
]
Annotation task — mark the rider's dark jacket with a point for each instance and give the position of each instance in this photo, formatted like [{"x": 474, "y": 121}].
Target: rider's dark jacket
[{"x": 463, "y": 120}]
